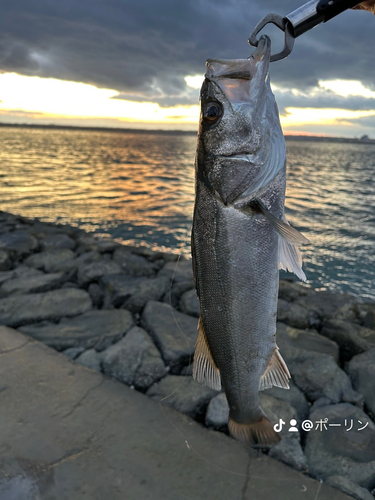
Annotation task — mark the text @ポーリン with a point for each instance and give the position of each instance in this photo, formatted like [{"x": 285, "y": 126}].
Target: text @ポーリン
[{"x": 321, "y": 425}]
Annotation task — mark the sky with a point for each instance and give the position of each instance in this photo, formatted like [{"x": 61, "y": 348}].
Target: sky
[{"x": 140, "y": 63}]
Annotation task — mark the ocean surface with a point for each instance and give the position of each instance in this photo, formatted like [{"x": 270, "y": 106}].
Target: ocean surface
[{"x": 139, "y": 188}]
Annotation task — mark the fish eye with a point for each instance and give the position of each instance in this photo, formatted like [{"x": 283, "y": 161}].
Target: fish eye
[{"x": 211, "y": 112}]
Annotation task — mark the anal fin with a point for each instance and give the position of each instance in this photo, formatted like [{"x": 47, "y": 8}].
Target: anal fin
[
  {"x": 205, "y": 370},
  {"x": 276, "y": 374}
]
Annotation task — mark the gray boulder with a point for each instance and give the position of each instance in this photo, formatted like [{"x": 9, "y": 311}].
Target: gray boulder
[
  {"x": 19, "y": 272},
  {"x": 290, "y": 290},
  {"x": 176, "y": 290},
  {"x": 289, "y": 452},
  {"x": 18, "y": 242},
  {"x": 351, "y": 337},
  {"x": 107, "y": 245},
  {"x": 217, "y": 412},
  {"x": 183, "y": 394},
  {"x": 94, "y": 271},
  {"x": 51, "y": 260},
  {"x": 60, "y": 240},
  {"x": 19, "y": 310},
  {"x": 321, "y": 377},
  {"x": 90, "y": 359},
  {"x": 339, "y": 450},
  {"x": 5, "y": 262},
  {"x": 295, "y": 315},
  {"x": 361, "y": 369},
  {"x": 366, "y": 314},
  {"x": 189, "y": 303},
  {"x": 325, "y": 304},
  {"x": 174, "y": 333},
  {"x": 181, "y": 270},
  {"x": 133, "y": 265},
  {"x": 32, "y": 284},
  {"x": 96, "y": 294},
  {"x": 297, "y": 346},
  {"x": 293, "y": 396},
  {"x": 276, "y": 409},
  {"x": 346, "y": 486},
  {"x": 131, "y": 292},
  {"x": 95, "y": 328},
  {"x": 73, "y": 352},
  {"x": 134, "y": 360}
]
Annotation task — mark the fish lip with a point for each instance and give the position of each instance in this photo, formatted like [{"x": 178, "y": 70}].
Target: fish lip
[{"x": 237, "y": 156}]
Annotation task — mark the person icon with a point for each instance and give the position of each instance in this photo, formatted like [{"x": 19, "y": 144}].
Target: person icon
[{"x": 293, "y": 427}]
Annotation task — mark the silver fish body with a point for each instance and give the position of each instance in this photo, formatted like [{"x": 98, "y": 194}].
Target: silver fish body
[{"x": 236, "y": 239}]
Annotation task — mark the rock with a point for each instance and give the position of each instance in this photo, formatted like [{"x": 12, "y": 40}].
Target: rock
[
  {"x": 276, "y": 409},
  {"x": 18, "y": 242},
  {"x": 73, "y": 352},
  {"x": 174, "y": 292},
  {"x": 293, "y": 396},
  {"x": 19, "y": 272},
  {"x": 133, "y": 265},
  {"x": 343, "y": 484},
  {"x": 295, "y": 315},
  {"x": 361, "y": 369},
  {"x": 57, "y": 241},
  {"x": 98, "y": 329},
  {"x": 22, "y": 309},
  {"x": 187, "y": 370},
  {"x": 5, "y": 262},
  {"x": 352, "y": 338},
  {"x": 183, "y": 394},
  {"x": 182, "y": 270},
  {"x": 134, "y": 360},
  {"x": 95, "y": 270},
  {"x": 107, "y": 245},
  {"x": 217, "y": 413},
  {"x": 31, "y": 284},
  {"x": 189, "y": 303},
  {"x": 339, "y": 451},
  {"x": 96, "y": 294},
  {"x": 289, "y": 452},
  {"x": 325, "y": 304},
  {"x": 299, "y": 345},
  {"x": 132, "y": 293},
  {"x": 290, "y": 290},
  {"x": 319, "y": 403},
  {"x": 321, "y": 377},
  {"x": 90, "y": 359},
  {"x": 174, "y": 333},
  {"x": 366, "y": 314},
  {"x": 51, "y": 260}
]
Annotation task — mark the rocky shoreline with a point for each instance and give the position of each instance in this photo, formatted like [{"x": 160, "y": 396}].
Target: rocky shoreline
[{"x": 132, "y": 313}]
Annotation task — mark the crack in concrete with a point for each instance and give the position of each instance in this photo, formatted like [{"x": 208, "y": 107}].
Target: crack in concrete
[
  {"x": 18, "y": 348},
  {"x": 71, "y": 456},
  {"x": 83, "y": 398},
  {"x": 247, "y": 479}
]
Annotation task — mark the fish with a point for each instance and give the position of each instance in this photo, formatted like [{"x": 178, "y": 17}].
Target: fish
[{"x": 240, "y": 239}]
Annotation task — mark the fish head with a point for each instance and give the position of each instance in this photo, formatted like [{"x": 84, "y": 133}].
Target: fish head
[{"x": 237, "y": 120}]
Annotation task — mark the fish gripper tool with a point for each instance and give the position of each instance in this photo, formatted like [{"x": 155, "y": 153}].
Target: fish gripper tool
[{"x": 301, "y": 20}]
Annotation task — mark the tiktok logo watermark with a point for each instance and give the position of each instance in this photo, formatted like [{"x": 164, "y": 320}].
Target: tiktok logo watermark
[{"x": 320, "y": 425}]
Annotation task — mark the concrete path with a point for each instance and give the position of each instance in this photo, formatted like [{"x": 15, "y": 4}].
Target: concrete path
[{"x": 67, "y": 433}]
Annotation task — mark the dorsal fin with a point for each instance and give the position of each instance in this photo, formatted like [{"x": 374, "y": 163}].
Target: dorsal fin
[{"x": 205, "y": 370}]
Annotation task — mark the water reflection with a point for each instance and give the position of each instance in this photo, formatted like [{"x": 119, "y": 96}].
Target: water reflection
[{"x": 140, "y": 188}]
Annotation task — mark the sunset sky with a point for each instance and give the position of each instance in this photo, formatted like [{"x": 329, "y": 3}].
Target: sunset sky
[{"x": 140, "y": 63}]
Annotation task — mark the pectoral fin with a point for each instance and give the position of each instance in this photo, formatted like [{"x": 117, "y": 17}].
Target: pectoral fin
[
  {"x": 205, "y": 370},
  {"x": 286, "y": 231},
  {"x": 290, "y": 259},
  {"x": 276, "y": 373}
]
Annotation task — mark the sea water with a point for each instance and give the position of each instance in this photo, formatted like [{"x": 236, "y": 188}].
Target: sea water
[{"x": 139, "y": 189}]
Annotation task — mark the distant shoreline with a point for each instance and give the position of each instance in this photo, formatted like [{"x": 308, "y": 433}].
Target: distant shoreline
[{"x": 311, "y": 138}]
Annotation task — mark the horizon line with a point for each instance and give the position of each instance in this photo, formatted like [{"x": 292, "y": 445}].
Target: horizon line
[{"x": 364, "y": 139}]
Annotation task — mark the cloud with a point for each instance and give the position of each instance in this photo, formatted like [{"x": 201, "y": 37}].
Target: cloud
[{"x": 144, "y": 49}]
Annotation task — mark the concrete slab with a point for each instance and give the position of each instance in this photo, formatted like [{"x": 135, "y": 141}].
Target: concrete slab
[{"x": 67, "y": 433}]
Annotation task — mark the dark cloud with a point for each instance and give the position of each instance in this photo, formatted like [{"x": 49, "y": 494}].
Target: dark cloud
[{"x": 144, "y": 48}]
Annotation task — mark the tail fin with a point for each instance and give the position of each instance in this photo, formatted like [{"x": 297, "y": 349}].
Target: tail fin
[{"x": 259, "y": 433}]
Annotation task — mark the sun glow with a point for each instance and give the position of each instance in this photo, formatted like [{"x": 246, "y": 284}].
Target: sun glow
[{"x": 57, "y": 98}]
